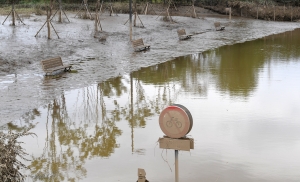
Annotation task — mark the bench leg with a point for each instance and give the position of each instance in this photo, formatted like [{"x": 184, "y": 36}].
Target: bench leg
[{"x": 67, "y": 69}]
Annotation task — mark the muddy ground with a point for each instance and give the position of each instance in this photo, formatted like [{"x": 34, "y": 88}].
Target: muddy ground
[{"x": 24, "y": 87}]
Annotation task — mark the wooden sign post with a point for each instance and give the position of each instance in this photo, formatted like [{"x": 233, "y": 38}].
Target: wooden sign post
[{"x": 176, "y": 122}]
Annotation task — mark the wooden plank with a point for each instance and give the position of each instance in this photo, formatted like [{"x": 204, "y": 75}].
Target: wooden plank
[{"x": 177, "y": 144}]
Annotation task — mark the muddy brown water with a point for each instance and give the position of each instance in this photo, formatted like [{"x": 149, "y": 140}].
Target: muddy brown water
[
  {"x": 22, "y": 82},
  {"x": 101, "y": 123}
]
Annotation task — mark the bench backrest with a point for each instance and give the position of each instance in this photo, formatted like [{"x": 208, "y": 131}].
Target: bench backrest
[
  {"x": 51, "y": 63},
  {"x": 181, "y": 32},
  {"x": 138, "y": 42},
  {"x": 217, "y": 24}
]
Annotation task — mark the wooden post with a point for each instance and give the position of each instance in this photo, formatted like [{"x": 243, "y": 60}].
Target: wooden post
[
  {"x": 130, "y": 20},
  {"x": 51, "y": 6},
  {"x": 168, "y": 14},
  {"x": 146, "y": 8},
  {"x": 85, "y": 5},
  {"x": 111, "y": 10},
  {"x": 13, "y": 14},
  {"x": 134, "y": 21},
  {"x": 176, "y": 167},
  {"x": 135, "y": 13},
  {"x": 194, "y": 11},
  {"x": 257, "y": 12},
  {"x": 96, "y": 18},
  {"x": 60, "y": 12},
  {"x": 291, "y": 12},
  {"x": 48, "y": 23},
  {"x": 96, "y": 25},
  {"x": 274, "y": 13}
]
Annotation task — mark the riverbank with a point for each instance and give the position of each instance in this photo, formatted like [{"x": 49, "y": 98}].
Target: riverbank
[
  {"x": 270, "y": 11},
  {"x": 23, "y": 86}
]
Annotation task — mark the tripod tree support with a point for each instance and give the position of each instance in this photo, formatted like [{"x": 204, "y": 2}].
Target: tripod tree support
[
  {"x": 135, "y": 14},
  {"x": 97, "y": 19},
  {"x": 85, "y": 6},
  {"x": 167, "y": 11},
  {"x": 146, "y": 8},
  {"x": 110, "y": 9},
  {"x": 14, "y": 13},
  {"x": 192, "y": 8},
  {"x": 60, "y": 10},
  {"x": 48, "y": 22}
]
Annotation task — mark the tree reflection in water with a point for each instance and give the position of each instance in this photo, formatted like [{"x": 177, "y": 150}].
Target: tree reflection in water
[
  {"x": 91, "y": 131},
  {"x": 69, "y": 144}
]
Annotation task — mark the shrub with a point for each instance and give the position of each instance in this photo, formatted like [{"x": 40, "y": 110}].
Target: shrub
[{"x": 10, "y": 149}]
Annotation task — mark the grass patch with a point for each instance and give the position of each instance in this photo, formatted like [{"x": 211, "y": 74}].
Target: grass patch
[{"x": 73, "y": 71}]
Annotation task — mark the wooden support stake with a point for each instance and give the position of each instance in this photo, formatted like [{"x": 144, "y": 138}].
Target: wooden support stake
[
  {"x": 257, "y": 12},
  {"x": 168, "y": 13},
  {"x": 13, "y": 15},
  {"x": 195, "y": 15},
  {"x": 60, "y": 12},
  {"x": 140, "y": 20},
  {"x": 97, "y": 19},
  {"x": 274, "y": 13},
  {"x": 54, "y": 29},
  {"x": 146, "y": 8},
  {"x": 48, "y": 25},
  {"x": 134, "y": 20},
  {"x": 291, "y": 13}
]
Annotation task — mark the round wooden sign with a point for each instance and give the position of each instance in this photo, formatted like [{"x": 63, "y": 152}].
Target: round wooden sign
[{"x": 175, "y": 121}]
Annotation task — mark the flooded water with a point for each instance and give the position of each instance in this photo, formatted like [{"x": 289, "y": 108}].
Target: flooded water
[
  {"x": 22, "y": 83},
  {"x": 245, "y": 103}
]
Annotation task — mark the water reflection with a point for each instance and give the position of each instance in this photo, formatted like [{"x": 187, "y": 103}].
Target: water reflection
[
  {"x": 79, "y": 126},
  {"x": 238, "y": 124},
  {"x": 233, "y": 69},
  {"x": 69, "y": 143}
]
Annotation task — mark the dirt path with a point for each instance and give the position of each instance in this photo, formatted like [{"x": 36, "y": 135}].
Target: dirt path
[{"x": 23, "y": 86}]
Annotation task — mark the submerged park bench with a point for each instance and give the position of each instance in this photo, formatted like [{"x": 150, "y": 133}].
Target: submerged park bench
[
  {"x": 218, "y": 26},
  {"x": 54, "y": 64},
  {"x": 182, "y": 35},
  {"x": 139, "y": 45}
]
